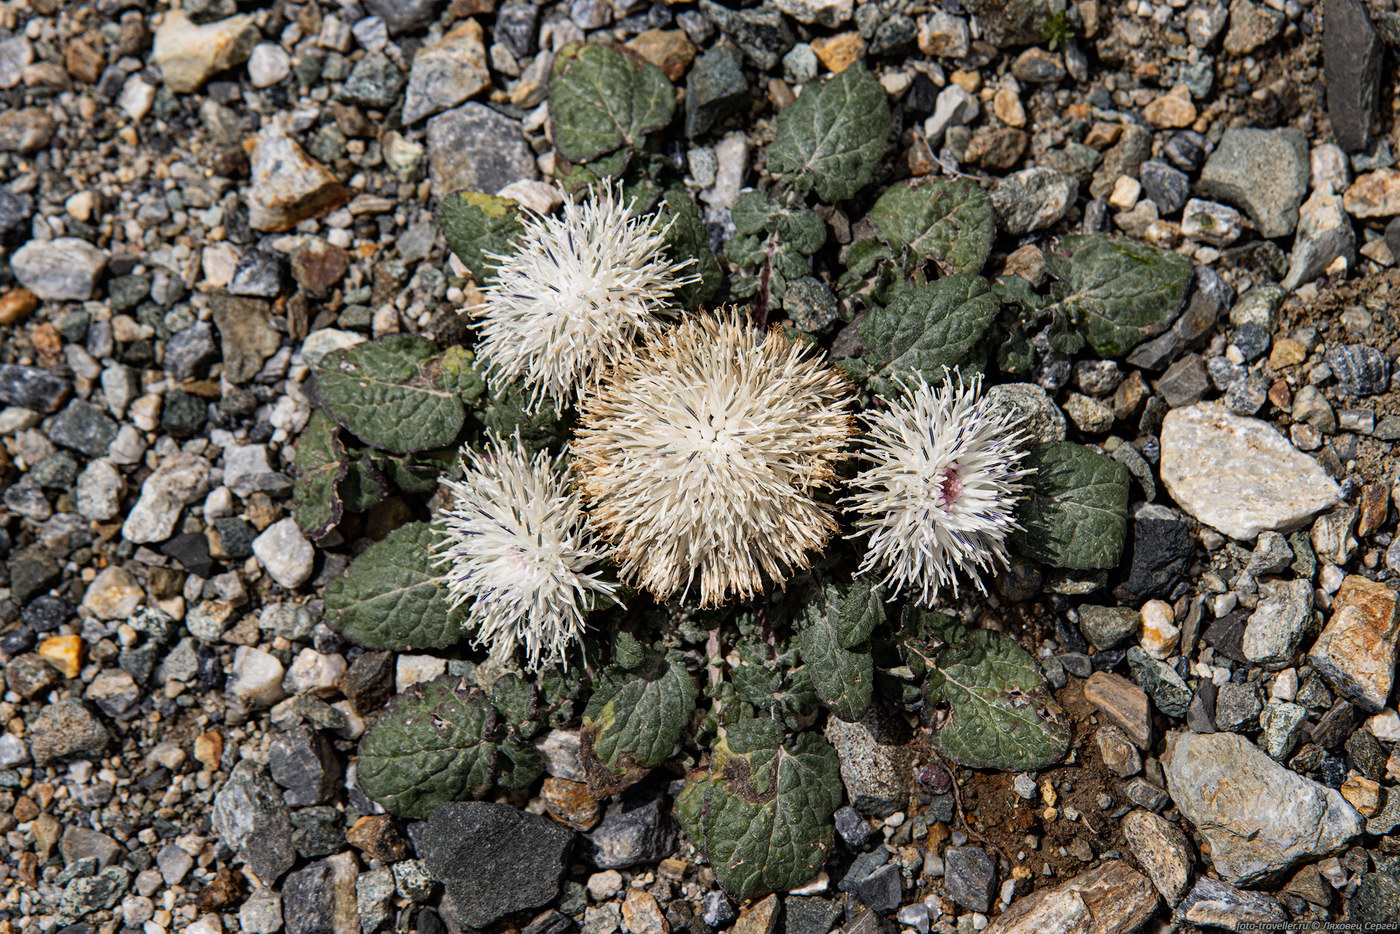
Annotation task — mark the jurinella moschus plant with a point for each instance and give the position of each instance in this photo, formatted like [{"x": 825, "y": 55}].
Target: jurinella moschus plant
[
  {"x": 700, "y": 458},
  {"x": 800, "y": 499},
  {"x": 574, "y": 296},
  {"x": 936, "y": 502},
  {"x": 518, "y": 555}
]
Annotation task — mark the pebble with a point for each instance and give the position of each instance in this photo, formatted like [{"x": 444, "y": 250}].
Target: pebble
[
  {"x": 1361, "y": 370},
  {"x": 1108, "y": 627},
  {"x": 66, "y": 729},
  {"x": 1357, "y": 649},
  {"x": 1032, "y": 199},
  {"x": 1173, "y": 110},
  {"x": 1162, "y": 849},
  {"x": 285, "y": 553},
  {"x": 1239, "y": 475},
  {"x": 633, "y": 832},
  {"x": 63, "y": 269},
  {"x": 493, "y": 859},
  {"x": 1374, "y": 194},
  {"x": 447, "y": 73},
  {"x": 1212, "y": 903},
  {"x": 321, "y": 896},
  {"x": 1324, "y": 235},
  {"x": 970, "y": 877},
  {"x": 828, "y": 13},
  {"x": 1123, "y": 703},
  {"x": 1211, "y": 222},
  {"x": 1258, "y": 817},
  {"x": 1279, "y": 622},
  {"x": 257, "y": 677},
  {"x": 181, "y": 480},
  {"x": 268, "y": 64},
  {"x": 188, "y": 54},
  {"x": 113, "y": 594},
  {"x": 476, "y": 148},
  {"x": 1159, "y": 630},
  {"x": 31, "y": 387},
  {"x": 716, "y": 86},
  {"x": 287, "y": 184},
  {"x": 876, "y": 765},
  {"x": 1112, "y": 898}
]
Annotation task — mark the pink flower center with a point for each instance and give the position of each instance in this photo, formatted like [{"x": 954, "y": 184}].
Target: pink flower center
[{"x": 950, "y": 480}]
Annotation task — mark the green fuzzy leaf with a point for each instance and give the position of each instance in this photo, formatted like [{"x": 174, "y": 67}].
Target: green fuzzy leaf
[
  {"x": 507, "y": 414},
  {"x": 992, "y": 709},
  {"x": 832, "y": 136},
  {"x": 391, "y": 596},
  {"x": 390, "y": 394},
  {"x": 1076, "y": 513},
  {"x": 842, "y": 678},
  {"x": 461, "y": 375},
  {"x": 752, "y": 212},
  {"x": 362, "y": 486},
  {"x": 927, "y": 327},
  {"x": 440, "y": 741},
  {"x": 871, "y": 273},
  {"x": 762, "y": 810},
  {"x": 518, "y": 703},
  {"x": 949, "y": 222},
  {"x": 418, "y": 473},
  {"x": 634, "y": 718},
  {"x": 603, "y": 99},
  {"x": 320, "y": 466},
  {"x": 476, "y": 224},
  {"x": 687, "y": 238},
  {"x": 1117, "y": 292}
]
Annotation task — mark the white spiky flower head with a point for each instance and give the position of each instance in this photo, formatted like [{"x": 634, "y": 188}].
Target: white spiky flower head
[
  {"x": 700, "y": 458},
  {"x": 575, "y": 296},
  {"x": 518, "y": 553},
  {"x": 937, "y": 501}
]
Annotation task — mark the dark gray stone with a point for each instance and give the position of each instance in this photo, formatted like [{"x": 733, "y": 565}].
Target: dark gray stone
[
  {"x": 126, "y": 292},
  {"x": 32, "y": 571},
  {"x": 1168, "y": 188},
  {"x": 716, "y": 910},
  {"x": 31, "y": 387},
  {"x": 66, "y": 729},
  {"x": 762, "y": 33},
  {"x": 853, "y": 829},
  {"x": 1264, "y": 172},
  {"x": 1186, "y": 150},
  {"x": 403, "y": 15},
  {"x": 715, "y": 87},
  {"x": 1237, "y": 708},
  {"x": 1361, "y": 370},
  {"x": 475, "y": 147},
  {"x": 304, "y": 762},
  {"x": 883, "y": 889},
  {"x": 315, "y": 898},
  {"x": 1185, "y": 382},
  {"x": 1252, "y": 340},
  {"x": 633, "y": 831},
  {"x": 1376, "y": 900},
  {"x": 493, "y": 859},
  {"x": 85, "y": 428},
  {"x": 970, "y": 877},
  {"x": 1168, "y": 690},
  {"x": 15, "y": 212},
  {"x": 515, "y": 27},
  {"x": 375, "y": 82},
  {"x": 190, "y": 352},
  {"x": 251, "y": 819},
  {"x": 1162, "y": 552},
  {"x": 317, "y": 831},
  {"x": 1351, "y": 59},
  {"x": 259, "y": 273},
  {"x": 809, "y": 915}
]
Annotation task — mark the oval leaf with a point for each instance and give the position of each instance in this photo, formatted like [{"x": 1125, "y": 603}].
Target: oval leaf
[
  {"x": 391, "y": 596},
  {"x": 762, "y": 811},
  {"x": 602, "y": 99},
  {"x": 992, "y": 710},
  {"x": 440, "y": 741},
  {"x": 476, "y": 224},
  {"x": 633, "y": 719},
  {"x": 321, "y": 466},
  {"x": 927, "y": 327},
  {"x": 1076, "y": 513},
  {"x": 1118, "y": 292},
  {"x": 389, "y": 393},
  {"x": 949, "y": 222},
  {"x": 832, "y": 136}
]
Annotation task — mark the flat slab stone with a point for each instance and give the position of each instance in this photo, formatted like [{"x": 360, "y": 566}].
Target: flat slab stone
[
  {"x": 1113, "y": 898},
  {"x": 1265, "y": 172},
  {"x": 1258, "y": 817},
  {"x": 1239, "y": 475},
  {"x": 1357, "y": 649}
]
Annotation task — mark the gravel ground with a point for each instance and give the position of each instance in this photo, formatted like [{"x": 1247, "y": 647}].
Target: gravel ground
[{"x": 198, "y": 202}]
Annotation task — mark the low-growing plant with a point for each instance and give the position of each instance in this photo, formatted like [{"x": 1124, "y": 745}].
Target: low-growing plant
[{"x": 688, "y": 532}]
